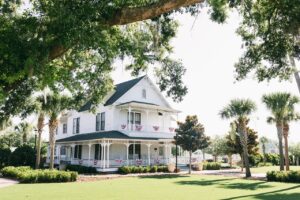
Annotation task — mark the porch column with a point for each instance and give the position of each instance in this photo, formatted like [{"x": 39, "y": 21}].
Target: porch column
[
  {"x": 149, "y": 159},
  {"x": 107, "y": 164},
  {"x": 127, "y": 152},
  {"x": 104, "y": 154},
  {"x": 72, "y": 152},
  {"x": 165, "y": 153},
  {"x": 89, "y": 164}
]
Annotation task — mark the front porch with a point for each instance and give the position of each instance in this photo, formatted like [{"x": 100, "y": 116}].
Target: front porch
[{"x": 107, "y": 154}]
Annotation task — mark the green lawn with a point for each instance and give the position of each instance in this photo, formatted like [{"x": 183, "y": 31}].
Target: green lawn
[
  {"x": 154, "y": 188},
  {"x": 271, "y": 168}
]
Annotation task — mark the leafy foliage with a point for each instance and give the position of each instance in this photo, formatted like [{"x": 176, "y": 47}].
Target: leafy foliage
[
  {"x": 233, "y": 141},
  {"x": 71, "y": 46},
  {"x": 190, "y": 135},
  {"x": 23, "y": 156}
]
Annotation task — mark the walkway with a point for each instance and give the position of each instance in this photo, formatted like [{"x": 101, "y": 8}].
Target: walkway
[{"x": 7, "y": 182}]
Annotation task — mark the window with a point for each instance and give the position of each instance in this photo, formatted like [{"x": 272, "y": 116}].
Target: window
[
  {"x": 76, "y": 125},
  {"x": 100, "y": 121},
  {"x": 134, "y": 117},
  {"x": 63, "y": 151},
  {"x": 78, "y": 151},
  {"x": 135, "y": 151},
  {"x": 160, "y": 151},
  {"x": 98, "y": 152},
  {"x": 144, "y": 93},
  {"x": 65, "y": 129}
]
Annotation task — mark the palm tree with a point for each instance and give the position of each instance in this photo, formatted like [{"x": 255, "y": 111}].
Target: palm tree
[
  {"x": 292, "y": 116},
  {"x": 53, "y": 105},
  {"x": 40, "y": 126},
  {"x": 240, "y": 109},
  {"x": 263, "y": 141},
  {"x": 25, "y": 129},
  {"x": 280, "y": 104}
]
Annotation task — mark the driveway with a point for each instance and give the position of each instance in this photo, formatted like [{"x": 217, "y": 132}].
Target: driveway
[{"x": 7, "y": 182}]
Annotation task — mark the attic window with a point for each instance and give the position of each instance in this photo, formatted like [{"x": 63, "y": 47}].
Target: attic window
[{"x": 144, "y": 94}]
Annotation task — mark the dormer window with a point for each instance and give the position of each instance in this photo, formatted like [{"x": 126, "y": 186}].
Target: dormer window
[{"x": 144, "y": 93}]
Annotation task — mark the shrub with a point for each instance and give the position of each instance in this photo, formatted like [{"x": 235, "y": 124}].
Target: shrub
[
  {"x": 211, "y": 166},
  {"x": 262, "y": 164},
  {"x": 23, "y": 156},
  {"x": 254, "y": 160},
  {"x": 81, "y": 169},
  {"x": 153, "y": 169},
  {"x": 5, "y": 154},
  {"x": 284, "y": 176},
  {"x": 272, "y": 158},
  {"x": 28, "y": 175}
]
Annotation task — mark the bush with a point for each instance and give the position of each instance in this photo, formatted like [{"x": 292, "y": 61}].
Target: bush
[
  {"x": 211, "y": 166},
  {"x": 254, "y": 160},
  {"x": 23, "y": 156},
  {"x": 272, "y": 158},
  {"x": 28, "y": 175},
  {"x": 81, "y": 169},
  {"x": 262, "y": 164},
  {"x": 5, "y": 154},
  {"x": 284, "y": 176}
]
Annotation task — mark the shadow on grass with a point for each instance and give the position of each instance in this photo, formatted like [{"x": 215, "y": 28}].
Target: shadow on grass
[
  {"x": 246, "y": 186},
  {"x": 164, "y": 176},
  {"x": 272, "y": 195},
  {"x": 203, "y": 182}
]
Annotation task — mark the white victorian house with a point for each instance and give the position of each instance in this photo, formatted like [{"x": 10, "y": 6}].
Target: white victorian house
[{"x": 134, "y": 126}]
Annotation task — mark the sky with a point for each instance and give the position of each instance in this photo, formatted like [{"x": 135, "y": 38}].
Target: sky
[{"x": 209, "y": 51}]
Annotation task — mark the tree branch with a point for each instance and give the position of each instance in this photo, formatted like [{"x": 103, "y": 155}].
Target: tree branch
[
  {"x": 134, "y": 14},
  {"x": 130, "y": 15}
]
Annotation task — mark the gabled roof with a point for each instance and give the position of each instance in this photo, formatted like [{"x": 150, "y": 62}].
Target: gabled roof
[
  {"x": 120, "y": 90},
  {"x": 103, "y": 135}
]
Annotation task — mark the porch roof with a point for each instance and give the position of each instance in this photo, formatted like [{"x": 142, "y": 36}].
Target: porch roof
[
  {"x": 146, "y": 105},
  {"x": 103, "y": 135}
]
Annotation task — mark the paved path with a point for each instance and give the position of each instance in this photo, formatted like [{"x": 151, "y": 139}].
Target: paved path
[
  {"x": 7, "y": 182},
  {"x": 231, "y": 172}
]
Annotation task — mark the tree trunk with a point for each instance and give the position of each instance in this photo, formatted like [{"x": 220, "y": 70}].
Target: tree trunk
[
  {"x": 244, "y": 143},
  {"x": 40, "y": 126},
  {"x": 190, "y": 165},
  {"x": 215, "y": 158},
  {"x": 296, "y": 74},
  {"x": 242, "y": 162},
  {"x": 52, "y": 127},
  {"x": 286, "y": 146},
  {"x": 230, "y": 160},
  {"x": 279, "y": 127}
]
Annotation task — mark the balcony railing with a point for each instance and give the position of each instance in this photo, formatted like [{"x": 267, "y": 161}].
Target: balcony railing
[{"x": 149, "y": 128}]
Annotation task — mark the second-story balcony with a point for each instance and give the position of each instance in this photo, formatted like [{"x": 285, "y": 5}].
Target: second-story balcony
[{"x": 145, "y": 119}]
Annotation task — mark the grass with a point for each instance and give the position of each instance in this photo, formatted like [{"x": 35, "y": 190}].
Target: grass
[
  {"x": 271, "y": 168},
  {"x": 156, "y": 188}
]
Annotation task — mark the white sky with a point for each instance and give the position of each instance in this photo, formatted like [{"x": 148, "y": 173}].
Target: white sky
[{"x": 209, "y": 51}]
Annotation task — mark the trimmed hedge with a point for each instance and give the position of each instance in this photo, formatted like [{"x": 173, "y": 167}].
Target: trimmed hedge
[
  {"x": 262, "y": 164},
  {"x": 28, "y": 175},
  {"x": 142, "y": 169},
  {"x": 81, "y": 169},
  {"x": 284, "y": 176},
  {"x": 211, "y": 166}
]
